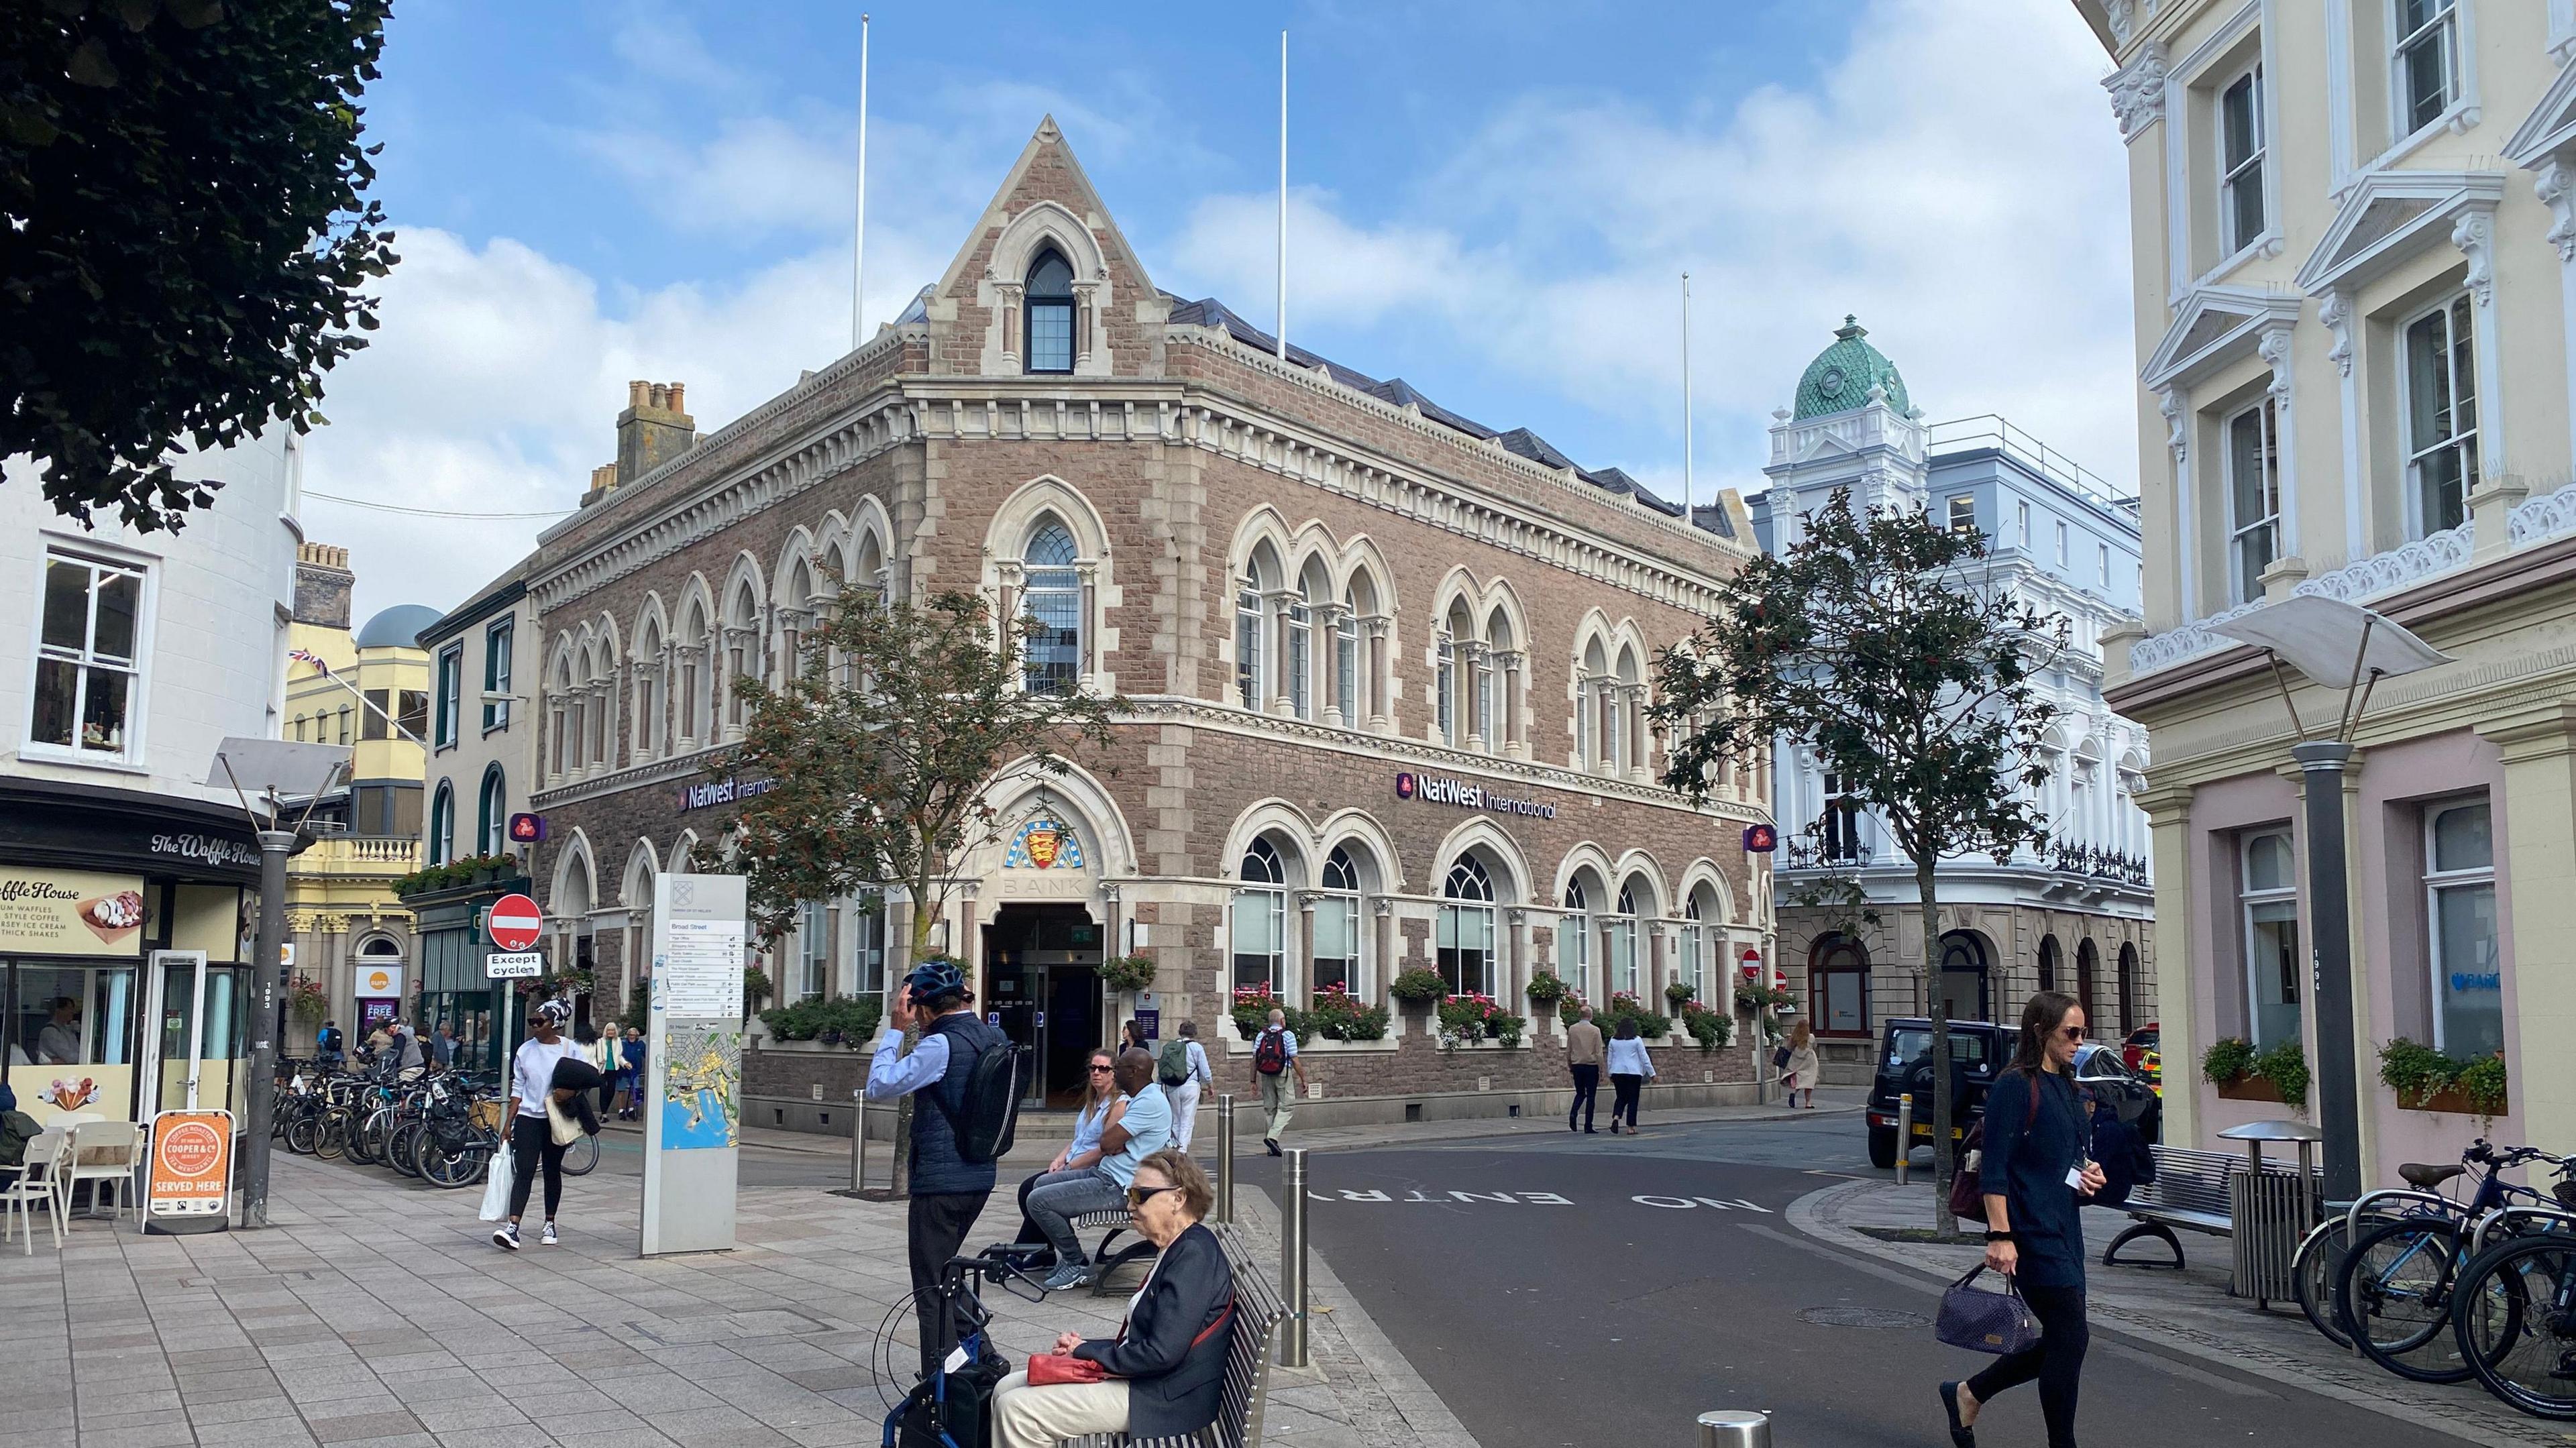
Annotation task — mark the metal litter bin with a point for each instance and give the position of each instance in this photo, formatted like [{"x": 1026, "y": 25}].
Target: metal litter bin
[{"x": 2270, "y": 1207}]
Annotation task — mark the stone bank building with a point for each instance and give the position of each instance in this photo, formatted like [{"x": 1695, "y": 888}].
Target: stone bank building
[{"x": 1390, "y": 671}]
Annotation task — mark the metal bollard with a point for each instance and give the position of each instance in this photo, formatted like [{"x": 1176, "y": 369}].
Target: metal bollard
[
  {"x": 859, "y": 1142},
  {"x": 1904, "y": 1136},
  {"x": 1292, "y": 1258},
  {"x": 1225, "y": 1159},
  {"x": 1729, "y": 1428}
]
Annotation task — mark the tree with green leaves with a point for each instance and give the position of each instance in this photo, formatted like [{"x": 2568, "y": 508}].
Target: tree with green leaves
[
  {"x": 1881, "y": 644},
  {"x": 183, "y": 235},
  {"x": 882, "y": 748}
]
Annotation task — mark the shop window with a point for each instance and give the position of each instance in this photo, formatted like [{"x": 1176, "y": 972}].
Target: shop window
[
  {"x": 496, "y": 675},
  {"x": 1337, "y": 925},
  {"x": 1839, "y": 977},
  {"x": 1049, "y": 305},
  {"x": 1574, "y": 939},
  {"x": 1051, "y": 601},
  {"x": 88, "y": 657},
  {"x": 69, "y": 1016},
  {"x": 2441, "y": 415},
  {"x": 1466, "y": 941},
  {"x": 2460, "y": 909},
  {"x": 2268, "y": 911},
  {"x": 1260, "y": 919},
  {"x": 451, "y": 677}
]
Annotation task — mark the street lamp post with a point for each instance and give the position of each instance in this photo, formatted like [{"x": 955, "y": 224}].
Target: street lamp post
[{"x": 2335, "y": 644}]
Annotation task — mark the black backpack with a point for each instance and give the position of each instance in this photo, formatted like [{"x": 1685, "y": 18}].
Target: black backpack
[{"x": 988, "y": 1114}]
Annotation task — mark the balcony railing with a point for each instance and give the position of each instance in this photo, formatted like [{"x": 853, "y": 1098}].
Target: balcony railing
[
  {"x": 1809, "y": 855},
  {"x": 1996, "y": 431},
  {"x": 361, "y": 854},
  {"x": 2098, "y": 864}
]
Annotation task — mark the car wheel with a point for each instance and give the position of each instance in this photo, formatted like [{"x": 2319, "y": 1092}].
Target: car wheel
[{"x": 1882, "y": 1147}]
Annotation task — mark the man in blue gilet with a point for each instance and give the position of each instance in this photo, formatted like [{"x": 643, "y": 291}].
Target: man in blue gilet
[{"x": 948, "y": 1191}]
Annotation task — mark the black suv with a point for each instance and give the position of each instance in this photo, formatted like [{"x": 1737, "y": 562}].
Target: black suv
[{"x": 1978, "y": 1050}]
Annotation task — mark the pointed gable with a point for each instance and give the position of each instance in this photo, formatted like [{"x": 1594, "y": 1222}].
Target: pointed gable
[{"x": 975, "y": 310}]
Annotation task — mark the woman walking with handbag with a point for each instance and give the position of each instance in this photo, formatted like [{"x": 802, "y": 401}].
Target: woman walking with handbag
[
  {"x": 1801, "y": 1067},
  {"x": 2034, "y": 1174},
  {"x": 533, "y": 1148}
]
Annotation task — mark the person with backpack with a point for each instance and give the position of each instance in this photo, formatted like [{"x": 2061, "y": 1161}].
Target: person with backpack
[
  {"x": 958, "y": 1068},
  {"x": 1274, "y": 1055},
  {"x": 2034, "y": 1169},
  {"x": 1181, "y": 1070},
  {"x": 1133, "y": 1134},
  {"x": 330, "y": 1047}
]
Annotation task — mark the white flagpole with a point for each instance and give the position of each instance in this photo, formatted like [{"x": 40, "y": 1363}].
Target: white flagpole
[
  {"x": 1283, "y": 195},
  {"x": 1690, "y": 497},
  {"x": 859, "y": 237}
]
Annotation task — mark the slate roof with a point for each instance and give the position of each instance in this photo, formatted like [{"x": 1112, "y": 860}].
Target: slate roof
[{"x": 1396, "y": 392}]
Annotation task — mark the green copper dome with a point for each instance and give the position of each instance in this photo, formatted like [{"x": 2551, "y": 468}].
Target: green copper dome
[{"x": 1842, "y": 375}]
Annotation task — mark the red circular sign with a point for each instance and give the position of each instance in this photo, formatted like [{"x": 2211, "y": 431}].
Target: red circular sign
[
  {"x": 515, "y": 922},
  {"x": 1753, "y": 965}
]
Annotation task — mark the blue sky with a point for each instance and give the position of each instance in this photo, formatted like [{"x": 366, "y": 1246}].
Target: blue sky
[{"x": 1494, "y": 201}]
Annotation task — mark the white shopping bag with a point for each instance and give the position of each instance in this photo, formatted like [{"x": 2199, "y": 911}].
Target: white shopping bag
[{"x": 496, "y": 1186}]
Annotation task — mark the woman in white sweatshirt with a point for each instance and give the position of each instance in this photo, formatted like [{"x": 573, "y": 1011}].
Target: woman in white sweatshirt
[{"x": 1630, "y": 1069}]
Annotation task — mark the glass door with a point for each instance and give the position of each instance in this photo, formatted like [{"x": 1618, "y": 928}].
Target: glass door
[{"x": 197, "y": 1035}]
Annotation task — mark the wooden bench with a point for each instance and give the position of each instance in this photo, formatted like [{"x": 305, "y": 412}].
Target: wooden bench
[
  {"x": 1258, "y": 1316},
  {"x": 2190, "y": 1190}
]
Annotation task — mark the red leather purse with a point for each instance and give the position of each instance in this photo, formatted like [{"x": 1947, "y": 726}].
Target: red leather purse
[{"x": 1047, "y": 1369}]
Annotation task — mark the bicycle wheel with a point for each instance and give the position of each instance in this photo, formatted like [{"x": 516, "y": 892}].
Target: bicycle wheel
[
  {"x": 2515, "y": 1323},
  {"x": 2394, "y": 1293},
  {"x": 367, "y": 1143},
  {"x": 582, "y": 1156},
  {"x": 2320, "y": 1259},
  {"x": 399, "y": 1146},
  {"x": 302, "y": 1132},
  {"x": 453, "y": 1164},
  {"x": 331, "y": 1138}
]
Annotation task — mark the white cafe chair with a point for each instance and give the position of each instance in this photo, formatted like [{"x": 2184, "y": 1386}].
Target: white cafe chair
[
  {"x": 34, "y": 1183},
  {"x": 105, "y": 1154}
]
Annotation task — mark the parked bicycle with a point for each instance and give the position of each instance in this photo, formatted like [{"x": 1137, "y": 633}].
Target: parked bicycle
[{"x": 2396, "y": 1286}]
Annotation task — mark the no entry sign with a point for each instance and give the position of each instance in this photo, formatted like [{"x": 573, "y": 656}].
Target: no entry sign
[{"x": 515, "y": 922}]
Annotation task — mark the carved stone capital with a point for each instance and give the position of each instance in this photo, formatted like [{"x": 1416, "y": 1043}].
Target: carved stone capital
[
  {"x": 2274, "y": 348},
  {"x": 2176, "y": 406},
  {"x": 2555, "y": 184},
  {"x": 2336, "y": 312},
  {"x": 2474, "y": 235},
  {"x": 2138, "y": 91}
]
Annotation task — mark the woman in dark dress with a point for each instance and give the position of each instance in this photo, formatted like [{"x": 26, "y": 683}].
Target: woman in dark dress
[{"x": 2036, "y": 1170}]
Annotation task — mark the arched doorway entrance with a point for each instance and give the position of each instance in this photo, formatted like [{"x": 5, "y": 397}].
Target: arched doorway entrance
[
  {"x": 1965, "y": 967},
  {"x": 2049, "y": 959},
  {"x": 2088, "y": 993},
  {"x": 2128, "y": 988},
  {"x": 1042, "y": 974}
]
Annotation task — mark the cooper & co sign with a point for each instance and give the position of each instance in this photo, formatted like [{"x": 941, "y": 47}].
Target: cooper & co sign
[{"x": 1467, "y": 794}]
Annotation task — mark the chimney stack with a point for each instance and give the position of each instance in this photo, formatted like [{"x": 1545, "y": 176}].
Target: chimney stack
[
  {"x": 322, "y": 584},
  {"x": 603, "y": 481},
  {"x": 654, "y": 428}
]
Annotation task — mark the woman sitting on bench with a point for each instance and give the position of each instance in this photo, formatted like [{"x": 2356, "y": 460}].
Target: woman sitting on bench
[{"x": 1163, "y": 1376}]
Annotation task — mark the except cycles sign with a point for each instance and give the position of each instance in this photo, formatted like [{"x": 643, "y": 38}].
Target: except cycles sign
[{"x": 192, "y": 1162}]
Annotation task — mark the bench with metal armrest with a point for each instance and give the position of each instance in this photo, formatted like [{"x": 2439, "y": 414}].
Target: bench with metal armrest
[
  {"x": 2190, "y": 1191},
  {"x": 1258, "y": 1314}
]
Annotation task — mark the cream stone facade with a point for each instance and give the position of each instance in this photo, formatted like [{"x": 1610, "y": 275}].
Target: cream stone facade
[{"x": 2352, "y": 233}]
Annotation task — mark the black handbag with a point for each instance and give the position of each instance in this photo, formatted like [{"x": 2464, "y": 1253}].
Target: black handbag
[{"x": 1995, "y": 1322}]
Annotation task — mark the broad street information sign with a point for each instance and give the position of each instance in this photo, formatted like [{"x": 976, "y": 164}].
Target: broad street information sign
[{"x": 693, "y": 1064}]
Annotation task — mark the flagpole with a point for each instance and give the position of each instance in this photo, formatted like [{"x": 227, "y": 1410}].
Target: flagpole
[
  {"x": 1690, "y": 497},
  {"x": 1283, "y": 195},
  {"x": 859, "y": 236}
]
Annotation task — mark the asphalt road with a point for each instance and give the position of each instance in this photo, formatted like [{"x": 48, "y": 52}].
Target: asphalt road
[{"x": 1595, "y": 1290}]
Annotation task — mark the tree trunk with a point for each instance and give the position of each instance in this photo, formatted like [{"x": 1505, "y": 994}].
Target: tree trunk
[{"x": 1945, "y": 1225}]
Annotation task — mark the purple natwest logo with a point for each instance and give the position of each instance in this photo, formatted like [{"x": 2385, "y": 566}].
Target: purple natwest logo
[{"x": 1404, "y": 786}]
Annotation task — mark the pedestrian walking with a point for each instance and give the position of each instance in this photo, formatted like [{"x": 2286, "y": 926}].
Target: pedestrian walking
[
  {"x": 1136, "y": 1132},
  {"x": 2035, "y": 1173},
  {"x": 444, "y": 1045},
  {"x": 948, "y": 1190},
  {"x": 599, "y": 1048},
  {"x": 1274, "y": 1056},
  {"x": 532, "y": 1137},
  {"x": 1132, "y": 1037},
  {"x": 1195, "y": 1074},
  {"x": 1583, "y": 1056},
  {"x": 329, "y": 1047},
  {"x": 1800, "y": 1072},
  {"x": 630, "y": 1074},
  {"x": 1630, "y": 1069}
]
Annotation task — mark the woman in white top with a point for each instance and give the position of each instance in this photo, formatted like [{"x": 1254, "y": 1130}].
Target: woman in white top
[
  {"x": 1630, "y": 1069},
  {"x": 532, "y": 1137}
]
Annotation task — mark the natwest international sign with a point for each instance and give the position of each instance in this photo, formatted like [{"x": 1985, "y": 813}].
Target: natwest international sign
[
  {"x": 1467, "y": 794},
  {"x": 714, "y": 792}
]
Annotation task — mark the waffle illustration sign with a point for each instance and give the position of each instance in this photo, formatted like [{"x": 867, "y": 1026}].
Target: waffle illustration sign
[
  {"x": 192, "y": 1164},
  {"x": 70, "y": 912}
]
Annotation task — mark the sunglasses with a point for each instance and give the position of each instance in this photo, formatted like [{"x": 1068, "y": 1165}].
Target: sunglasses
[
  {"x": 2074, "y": 1033},
  {"x": 1139, "y": 1196},
  {"x": 1104, "y": 1068}
]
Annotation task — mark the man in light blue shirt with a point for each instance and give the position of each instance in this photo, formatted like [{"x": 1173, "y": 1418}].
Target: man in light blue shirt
[{"x": 1143, "y": 1129}]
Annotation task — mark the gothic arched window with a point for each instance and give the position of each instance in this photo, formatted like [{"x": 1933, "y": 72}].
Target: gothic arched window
[
  {"x": 1049, "y": 306},
  {"x": 1052, "y": 600},
  {"x": 1467, "y": 928},
  {"x": 1260, "y": 918}
]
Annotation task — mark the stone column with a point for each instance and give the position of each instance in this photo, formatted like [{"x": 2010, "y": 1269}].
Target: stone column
[
  {"x": 1382, "y": 963},
  {"x": 2537, "y": 746},
  {"x": 1278, "y": 601},
  {"x": 1006, "y": 603},
  {"x": 1373, "y": 683},
  {"x": 1301, "y": 956},
  {"x": 1515, "y": 738},
  {"x": 2169, "y": 825},
  {"x": 1087, "y": 660},
  {"x": 1474, "y": 695}
]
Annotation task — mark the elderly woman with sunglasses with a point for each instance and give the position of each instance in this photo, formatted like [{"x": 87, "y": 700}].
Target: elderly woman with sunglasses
[{"x": 1163, "y": 1375}]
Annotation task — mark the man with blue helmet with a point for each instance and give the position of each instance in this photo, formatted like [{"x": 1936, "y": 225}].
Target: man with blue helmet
[{"x": 948, "y": 1191}]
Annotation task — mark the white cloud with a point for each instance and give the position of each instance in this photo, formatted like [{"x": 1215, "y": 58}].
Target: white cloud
[{"x": 1955, "y": 179}]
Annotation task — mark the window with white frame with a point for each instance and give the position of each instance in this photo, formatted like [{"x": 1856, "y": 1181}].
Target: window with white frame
[
  {"x": 441, "y": 841},
  {"x": 2063, "y": 544},
  {"x": 1444, "y": 688},
  {"x": 2253, "y": 499},
  {"x": 1052, "y": 603},
  {"x": 1300, "y": 662},
  {"x": 496, "y": 674},
  {"x": 1337, "y": 925},
  {"x": 2441, "y": 413},
  {"x": 2460, "y": 918},
  {"x": 2102, "y": 563},
  {"x": 1260, "y": 919},
  {"x": 1621, "y": 937},
  {"x": 2268, "y": 907},
  {"x": 1574, "y": 940},
  {"x": 1247, "y": 643},
  {"x": 1346, "y": 666},
  {"x": 88, "y": 663},
  {"x": 2242, "y": 138},
  {"x": 1466, "y": 938},
  {"x": 2021, "y": 519},
  {"x": 1694, "y": 963},
  {"x": 813, "y": 951},
  {"x": 864, "y": 923},
  {"x": 2424, "y": 64},
  {"x": 492, "y": 814},
  {"x": 1963, "y": 513},
  {"x": 451, "y": 685}
]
